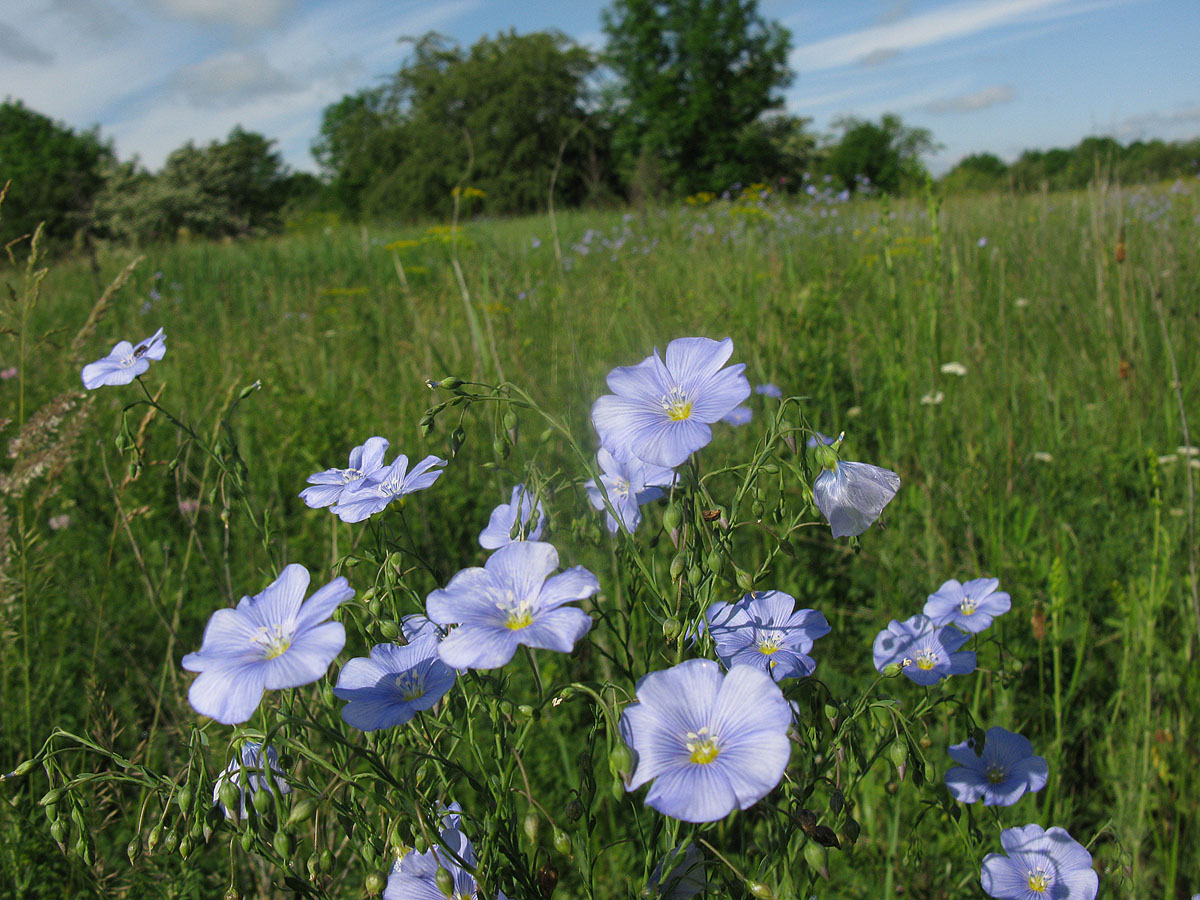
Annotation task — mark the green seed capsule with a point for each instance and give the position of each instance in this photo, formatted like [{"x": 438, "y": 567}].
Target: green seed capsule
[
  {"x": 677, "y": 565},
  {"x": 672, "y": 628},
  {"x": 327, "y": 862},
  {"x": 510, "y": 420},
  {"x": 744, "y": 579},
  {"x": 58, "y": 830},
  {"x": 713, "y": 561},
  {"x": 302, "y": 811},
  {"x": 374, "y": 883},
  {"x": 170, "y": 840},
  {"x": 530, "y": 826},
  {"x": 155, "y": 836},
  {"x": 185, "y": 846},
  {"x": 284, "y": 844},
  {"x": 389, "y": 630},
  {"x": 562, "y": 843},
  {"x": 444, "y": 881},
  {"x": 672, "y": 517},
  {"x": 313, "y": 865},
  {"x": 133, "y": 850},
  {"x": 247, "y": 839},
  {"x": 898, "y": 753},
  {"x": 760, "y": 890},
  {"x": 184, "y": 798}
]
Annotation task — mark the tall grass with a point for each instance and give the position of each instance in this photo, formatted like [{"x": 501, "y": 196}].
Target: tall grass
[{"x": 1051, "y": 464}]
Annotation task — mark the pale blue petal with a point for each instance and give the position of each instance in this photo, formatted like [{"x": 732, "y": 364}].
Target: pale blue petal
[
  {"x": 557, "y": 629},
  {"x": 693, "y": 793},
  {"x": 722, "y": 394},
  {"x": 576, "y": 583},
  {"x": 478, "y": 647},
  {"x": 522, "y": 567},
  {"x": 692, "y": 362},
  {"x": 229, "y": 694},
  {"x": 322, "y": 604}
]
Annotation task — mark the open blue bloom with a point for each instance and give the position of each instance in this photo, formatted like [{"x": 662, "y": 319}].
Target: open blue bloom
[
  {"x": 328, "y": 486},
  {"x": 711, "y": 743},
  {"x": 661, "y": 411},
  {"x": 250, "y": 760},
  {"x": 852, "y": 495},
  {"x": 971, "y": 606},
  {"x": 415, "y": 626},
  {"x": 521, "y": 519},
  {"x": 686, "y": 878},
  {"x": 1001, "y": 774},
  {"x": 125, "y": 363},
  {"x": 764, "y": 630},
  {"x": 629, "y": 483},
  {"x": 1042, "y": 864},
  {"x": 768, "y": 390},
  {"x": 363, "y": 499},
  {"x": 927, "y": 652},
  {"x": 270, "y": 641},
  {"x": 739, "y": 415},
  {"x": 396, "y": 683},
  {"x": 510, "y": 601},
  {"x": 414, "y": 875}
]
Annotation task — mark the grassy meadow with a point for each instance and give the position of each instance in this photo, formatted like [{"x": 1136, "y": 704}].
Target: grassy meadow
[{"x": 1058, "y": 463}]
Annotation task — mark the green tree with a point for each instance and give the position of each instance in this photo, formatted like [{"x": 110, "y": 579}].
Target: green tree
[
  {"x": 977, "y": 172},
  {"x": 693, "y": 76},
  {"x": 233, "y": 187},
  {"x": 509, "y": 104},
  {"x": 887, "y": 154},
  {"x": 55, "y": 172}
]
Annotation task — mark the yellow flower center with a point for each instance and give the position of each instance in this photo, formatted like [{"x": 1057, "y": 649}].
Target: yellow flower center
[
  {"x": 968, "y": 605},
  {"x": 677, "y": 405},
  {"x": 926, "y": 659},
  {"x": 770, "y": 643},
  {"x": 518, "y": 614},
  {"x": 409, "y": 687},
  {"x": 995, "y": 773},
  {"x": 273, "y": 639},
  {"x": 702, "y": 746},
  {"x": 1038, "y": 880}
]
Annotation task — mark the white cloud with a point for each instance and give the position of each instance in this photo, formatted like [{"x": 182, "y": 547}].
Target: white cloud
[
  {"x": 14, "y": 46},
  {"x": 989, "y": 96},
  {"x": 879, "y": 57},
  {"x": 231, "y": 78},
  {"x": 945, "y": 23},
  {"x": 245, "y": 15},
  {"x": 1181, "y": 122}
]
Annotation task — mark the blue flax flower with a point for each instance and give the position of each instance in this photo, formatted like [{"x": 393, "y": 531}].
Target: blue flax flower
[
  {"x": 363, "y": 499},
  {"x": 270, "y": 641},
  {"x": 328, "y": 486},
  {"x": 851, "y": 495},
  {"x": 711, "y": 743},
  {"x": 125, "y": 363},
  {"x": 393, "y": 685},
  {"x": 768, "y": 390},
  {"x": 511, "y": 602},
  {"x": 739, "y": 415},
  {"x": 1000, "y": 774},
  {"x": 764, "y": 630},
  {"x": 250, "y": 759},
  {"x": 1041, "y": 864},
  {"x": 661, "y": 410},
  {"x": 971, "y": 606},
  {"x": 927, "y": 652},
  {"x": 414, "y": 875},
  {"x": 686, "y": 878},
  {"x": 521, "y": 519},
  {"x": 629, "y": 483}
]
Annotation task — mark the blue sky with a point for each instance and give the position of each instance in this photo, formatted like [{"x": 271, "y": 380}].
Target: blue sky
[{"x": 998, "y": 75}]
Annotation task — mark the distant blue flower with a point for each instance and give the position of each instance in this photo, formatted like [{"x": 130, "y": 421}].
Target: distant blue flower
[
  {"x": 768, "y": 390},
  {"x": 273, "y": 640},
  {"x": 365, "y": 460},
  {"x": 686, "y": 878},
  {"x": 765, "y": 630},
  {"x": 250, "y": 760},
  {"x": 125, "y": 363},
  {"x": 971, "y": 606},
  {"x": 711, "y": 743},
  {"x": 629, "y": 483},
  {"x": 983, "y": 242},
  {"x": 927, "y": 652},
  {"x": 362, "y": 499},
  {"x": 1042, "y": 864},
  {"x": 661, "y": 411},
  {"x": 1000, "y": 774},
  {"x": 521, "y": 519},
  {"x": 393, "y": 685},
  {"x": 820, "y": 440},
  {"x": 510, "y": 601},
  {"x": 852, "y": 495},
  {"x": 415, "y": 626},
  {"x": 414, "y": 875},
  {"x": 739, "y": 415}
]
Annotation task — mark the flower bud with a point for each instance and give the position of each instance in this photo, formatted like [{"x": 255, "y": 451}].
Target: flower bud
[
  {"x": 313, "y": 865},
  {"x": 155, "y": 836},
  {"x": 170, "y": 840},
  {"x": 50, "y": 798},
  {"x": 760, "y": 890},
  {"x": 672, "y": 628},
  {"x": 133, "y": 850},
  {"x": 898, "y": 753},
  {"x": 817, "y": 858},
  {"x": 672, "y": 517},
  {"x": 327, "y": 861},
  {"x": 185, "y": 846},
  {"x": 389, "y": 630},
  {"x": 562, "y": 843},
  {"x": 510, "y": 420},
  {"x": 284, "y": 844},
  {"x": 445, "y": 881},
  {"x": 825, "y": 456},
  {"x": 184, "y": 798},
  {"x": 620, "y": 761},
  {"x": 530, "y": 825},
  {"x": 713, "y": 561},
  {"x": 23, "y": 769},
  {"x": 302, "y": 811},
  {"x": 232, "y": 894},
  {"x": 375, "y": 883},
  {"x": 677, "y": 565},
  {"x": 892, "y": 670},
  {"x": 450, "y": 383},
  {"x": 58, "y": 830},
  {"x": 250, "y": 389},
  {"x": 247, "y": 839},
  {"x": 744, "y": 579}
]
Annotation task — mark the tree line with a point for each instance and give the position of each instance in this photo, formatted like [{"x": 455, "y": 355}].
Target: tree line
[{"x": 685, "y": 98}]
